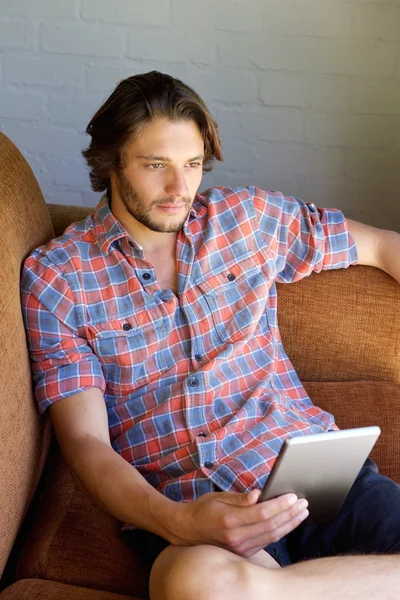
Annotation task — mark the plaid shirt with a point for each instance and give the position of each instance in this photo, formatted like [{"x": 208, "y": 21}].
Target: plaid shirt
[{"x": 198, "y": 388}]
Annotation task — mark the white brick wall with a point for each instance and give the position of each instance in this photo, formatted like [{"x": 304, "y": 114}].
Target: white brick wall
[
  {"x": 306, "y": 92},
  {"x": 134, "y": 12}
]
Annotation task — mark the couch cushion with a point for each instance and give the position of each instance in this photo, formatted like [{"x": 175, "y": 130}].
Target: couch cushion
[
  {"x": 73, "y": 541},
  {"x": 38, "y": 589},
  {"x": 25, "y": 435},
  {"x": 363, "y": 403}
]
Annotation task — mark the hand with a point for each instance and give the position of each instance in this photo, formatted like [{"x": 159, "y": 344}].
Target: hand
[{"x": 236, "y": 521}]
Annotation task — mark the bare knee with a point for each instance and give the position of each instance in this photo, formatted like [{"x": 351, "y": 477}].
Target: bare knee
[{"x": 203, "y": 572}]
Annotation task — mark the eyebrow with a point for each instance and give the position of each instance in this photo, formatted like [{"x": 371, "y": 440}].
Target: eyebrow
[{"x": 165, "y": 159}]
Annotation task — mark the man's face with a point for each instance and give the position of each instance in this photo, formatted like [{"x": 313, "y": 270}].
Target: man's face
[{"x": 162, "y": 175}]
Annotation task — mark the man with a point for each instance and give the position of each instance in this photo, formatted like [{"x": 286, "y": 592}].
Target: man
[{"x": 154, "y": 343}]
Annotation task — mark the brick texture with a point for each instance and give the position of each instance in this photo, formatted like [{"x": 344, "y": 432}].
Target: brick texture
[
  {"x": 135, "y": 12},
  {"x": 306, "y": 92}
]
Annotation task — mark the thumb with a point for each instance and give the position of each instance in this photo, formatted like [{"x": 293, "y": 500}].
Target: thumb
[{"x": 247, "y": 498}]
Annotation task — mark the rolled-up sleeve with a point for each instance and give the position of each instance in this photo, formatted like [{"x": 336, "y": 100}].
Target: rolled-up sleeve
[
  {"x": 62, "y": 362},
  {"x": 303, "y": 238}
]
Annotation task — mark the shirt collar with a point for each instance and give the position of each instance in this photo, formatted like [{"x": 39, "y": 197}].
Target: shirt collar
[{"x": 108, "y": 229}]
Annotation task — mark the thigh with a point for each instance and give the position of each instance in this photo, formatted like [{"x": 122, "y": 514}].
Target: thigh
[{"x": 367, "y": 523}]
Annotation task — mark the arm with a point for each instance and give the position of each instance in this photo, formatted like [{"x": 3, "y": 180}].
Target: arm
[
  {"x": 377, "y": 247},
  {"x": 302, "y": 238},
  {"x": 81, "y": 426}
]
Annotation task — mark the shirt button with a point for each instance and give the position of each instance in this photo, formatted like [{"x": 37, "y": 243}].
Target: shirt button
[
  {"x": 193, "y": 382},
  {"x": 202, "y": 435},
  {"x": 208, "y": 465},
  {"x": 231, "y": 277},
  {"x": 126, "y": 326},
  {"x": 198, "y": 357},
  {"x": 146, "y": 276}
]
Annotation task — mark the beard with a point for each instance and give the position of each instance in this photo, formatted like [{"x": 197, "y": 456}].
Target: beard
[{"x": 136, "y": 207}]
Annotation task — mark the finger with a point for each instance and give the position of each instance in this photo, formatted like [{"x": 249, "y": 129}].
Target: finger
[
  {"x": 269, "y": 529},
  {"x": 251, "y": 499},
  {"x": 259, "y": 511},
  {"x": 248, "y": 549},
  {"x": 280, "y": 529},
  {"x": 275, "y": 523}
]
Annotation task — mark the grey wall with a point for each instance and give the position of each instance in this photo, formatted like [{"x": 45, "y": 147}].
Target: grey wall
[{"x": 306, "y": 92}]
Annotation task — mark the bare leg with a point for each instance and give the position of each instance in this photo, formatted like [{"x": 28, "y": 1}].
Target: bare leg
[
  {"x": 345, "y": 577},
  {"x": 211, "y": 573}
]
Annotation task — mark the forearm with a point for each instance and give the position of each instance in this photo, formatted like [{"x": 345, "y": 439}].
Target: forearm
[
  {"x": 119, "y": 489},
  {"x": 377, "y": 247},
  {"x": 389, "y": 253}
]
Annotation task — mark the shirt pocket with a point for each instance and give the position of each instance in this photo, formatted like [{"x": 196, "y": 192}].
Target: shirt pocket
[
  {"x": 132, "y": 354},
  {"x": 237, "y": 299}
]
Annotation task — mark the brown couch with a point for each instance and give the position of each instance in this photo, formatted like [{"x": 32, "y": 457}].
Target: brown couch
[{"x": 340, "y": 328}]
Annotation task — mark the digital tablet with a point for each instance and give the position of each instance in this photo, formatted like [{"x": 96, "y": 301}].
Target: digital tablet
[{"x": 320, "y": 467}]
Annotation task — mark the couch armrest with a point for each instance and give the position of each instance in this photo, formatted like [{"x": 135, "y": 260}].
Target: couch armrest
[
  {"x": 342, "y": 325},
  {"x": 42, "y": 589}
]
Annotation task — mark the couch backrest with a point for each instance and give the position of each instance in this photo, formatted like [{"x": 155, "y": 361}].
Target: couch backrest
[
  {"x": 24, "y": 435},
  {"x": 342, "y": 325}
]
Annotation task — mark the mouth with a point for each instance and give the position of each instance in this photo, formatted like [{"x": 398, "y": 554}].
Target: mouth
[{"x": 172, "y": 208}]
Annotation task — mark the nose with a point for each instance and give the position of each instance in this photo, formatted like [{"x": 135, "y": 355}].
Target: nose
[{"x": 176, "y": 184}]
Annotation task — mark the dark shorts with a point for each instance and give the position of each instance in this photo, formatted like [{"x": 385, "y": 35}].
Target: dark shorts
[{"x": 367, "y": 523}]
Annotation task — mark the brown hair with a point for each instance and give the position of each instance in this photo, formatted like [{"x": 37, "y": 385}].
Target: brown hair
[{"x": 134, "y": 102}]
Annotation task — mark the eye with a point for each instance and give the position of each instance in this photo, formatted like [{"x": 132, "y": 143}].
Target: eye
[
  {"x": 155, "y": 166},
  {"x": 193, "y": 165}
]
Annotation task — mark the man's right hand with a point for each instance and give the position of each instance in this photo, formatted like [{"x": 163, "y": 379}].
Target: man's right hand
[{"x": 236, "y": 521}]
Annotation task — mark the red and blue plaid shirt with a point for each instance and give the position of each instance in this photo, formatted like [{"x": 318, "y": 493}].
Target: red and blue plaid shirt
[{"x": 198, "y": 387}]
